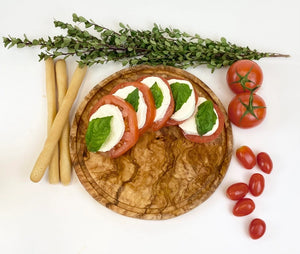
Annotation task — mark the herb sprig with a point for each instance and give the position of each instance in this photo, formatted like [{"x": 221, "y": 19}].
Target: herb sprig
[{"x": 157, "y": 46}]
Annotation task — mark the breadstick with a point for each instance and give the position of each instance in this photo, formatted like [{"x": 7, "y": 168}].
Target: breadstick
[
  {"x": 58, "y": 125},
  {"x": 51, "y": 105},
  {"x": 65, "y": 164}
]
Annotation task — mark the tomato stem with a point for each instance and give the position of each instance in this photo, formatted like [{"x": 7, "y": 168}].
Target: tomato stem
[
  {"x": 249, "y": 107},
  {"x": 244, "y": 79}
]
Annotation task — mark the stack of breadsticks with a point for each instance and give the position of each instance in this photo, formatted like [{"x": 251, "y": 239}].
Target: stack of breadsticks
[{"x": 55, "y": 153}]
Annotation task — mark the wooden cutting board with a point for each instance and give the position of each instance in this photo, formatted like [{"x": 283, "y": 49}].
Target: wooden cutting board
[{"x": 163, "y": 175}]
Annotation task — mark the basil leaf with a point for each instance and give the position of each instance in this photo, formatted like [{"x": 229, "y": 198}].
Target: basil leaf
[
  {"x": 157, "y": 95},
  {"x": 133, "y": 99},
  {"x": 205, "y": 117},
  {"x": 97, "y": 132},
  {"x": 181, "y": 92}
]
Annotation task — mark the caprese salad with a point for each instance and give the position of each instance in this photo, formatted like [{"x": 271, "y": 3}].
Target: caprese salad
[{"x": 149, "y": 104}]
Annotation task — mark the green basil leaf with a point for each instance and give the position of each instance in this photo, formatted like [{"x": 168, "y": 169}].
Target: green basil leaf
[
  {"x": 205, "y": 117},
  {"x": 97, "y": 132},
  {"x": 157, "y": 95},
  {"x": 181, "y": 92},
  {"x": 133, "y": 99}
]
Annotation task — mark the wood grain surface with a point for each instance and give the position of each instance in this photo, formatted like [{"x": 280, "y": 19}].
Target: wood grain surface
[{"x": 163, "y": 175}]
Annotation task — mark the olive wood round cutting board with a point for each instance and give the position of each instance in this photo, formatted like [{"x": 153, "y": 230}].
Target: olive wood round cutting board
[{"x": 164, "y": 175}]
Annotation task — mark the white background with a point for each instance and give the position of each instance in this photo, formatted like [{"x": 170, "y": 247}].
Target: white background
[{"x": 44, "y": 218}]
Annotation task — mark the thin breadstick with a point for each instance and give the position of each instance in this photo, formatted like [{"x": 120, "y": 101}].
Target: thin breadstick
[
  {"x": 65, "y": 164},
  {"x": 58, "y": 124},
  {"x": 51, "y": 105}
]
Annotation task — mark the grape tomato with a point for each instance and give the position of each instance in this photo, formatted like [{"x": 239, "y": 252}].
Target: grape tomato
[
  {"x": 257, "y": 228},
  {"x": 246, "y": 157},
  {"x": 243, "y": 207},
  {"x": 264, "y": 162},
  {"x": 256, "y": 184},
  {"x": 237, "y": 191}
]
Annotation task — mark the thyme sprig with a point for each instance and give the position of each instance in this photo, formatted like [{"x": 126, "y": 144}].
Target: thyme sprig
[{"x": 157, "y": 46}]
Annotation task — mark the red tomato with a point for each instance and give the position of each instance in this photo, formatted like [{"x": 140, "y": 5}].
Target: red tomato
[
  {"x": 243, "y": 207},
  {"x": 244, "y": 76},
  {"x": 265, "y": 163},
  {"x": 257, "y": 228},
  {"x": 237, "y": 191},
  {"x": 246, "y": 157},
  {"x": 148, "y": 100},
  {"x": 174, "y": 122},
  {"x": 256, "y": 184},
  {"x": 131, "y": 133},
  {"x": 206, "y": 139},
  {"x": 247, "y": 110},
  {"x": 162, "y": 122}
]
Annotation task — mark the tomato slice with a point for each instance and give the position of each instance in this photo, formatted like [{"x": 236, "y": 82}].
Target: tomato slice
[
  {"x": 162, "y": 122},
  {"x": 171, "y": 121},
  {"x": 131, "y": 133},
  {"x": 148, "y": 100},
  {"x": 206, "y": 139}
]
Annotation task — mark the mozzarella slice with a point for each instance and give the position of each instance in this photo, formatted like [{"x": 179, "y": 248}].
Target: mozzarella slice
[
  {"x": 188, "y": 107},
  {"x": 117, "y": 125},
  {"x": 161, "y": 111},
  {"x": 189, "y": 125},
  {"x": 142, "y": 108}
]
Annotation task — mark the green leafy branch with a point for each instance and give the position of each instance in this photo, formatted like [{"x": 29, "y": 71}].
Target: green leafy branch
[{"x": 157, "y": 46}]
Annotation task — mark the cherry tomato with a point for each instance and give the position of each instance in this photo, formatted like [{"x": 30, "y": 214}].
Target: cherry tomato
[
  {"x": 257, "y": 228},
  {"x": 131, "y": 133},
  {"x": 256, "y": 184},
  {"x": 145, "y": 90},
  {"x": 246, "y": 157},
  {"x": 264, "y": 162},
  {"x": 237, "y": 191},
  {"x": 244, "y": 75},
  {"x": 162, "y": 122},
  {"x": 206, "y": 139},
  {"x": 243, "y": 207},
  {"x": 247, "y": 110}
]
